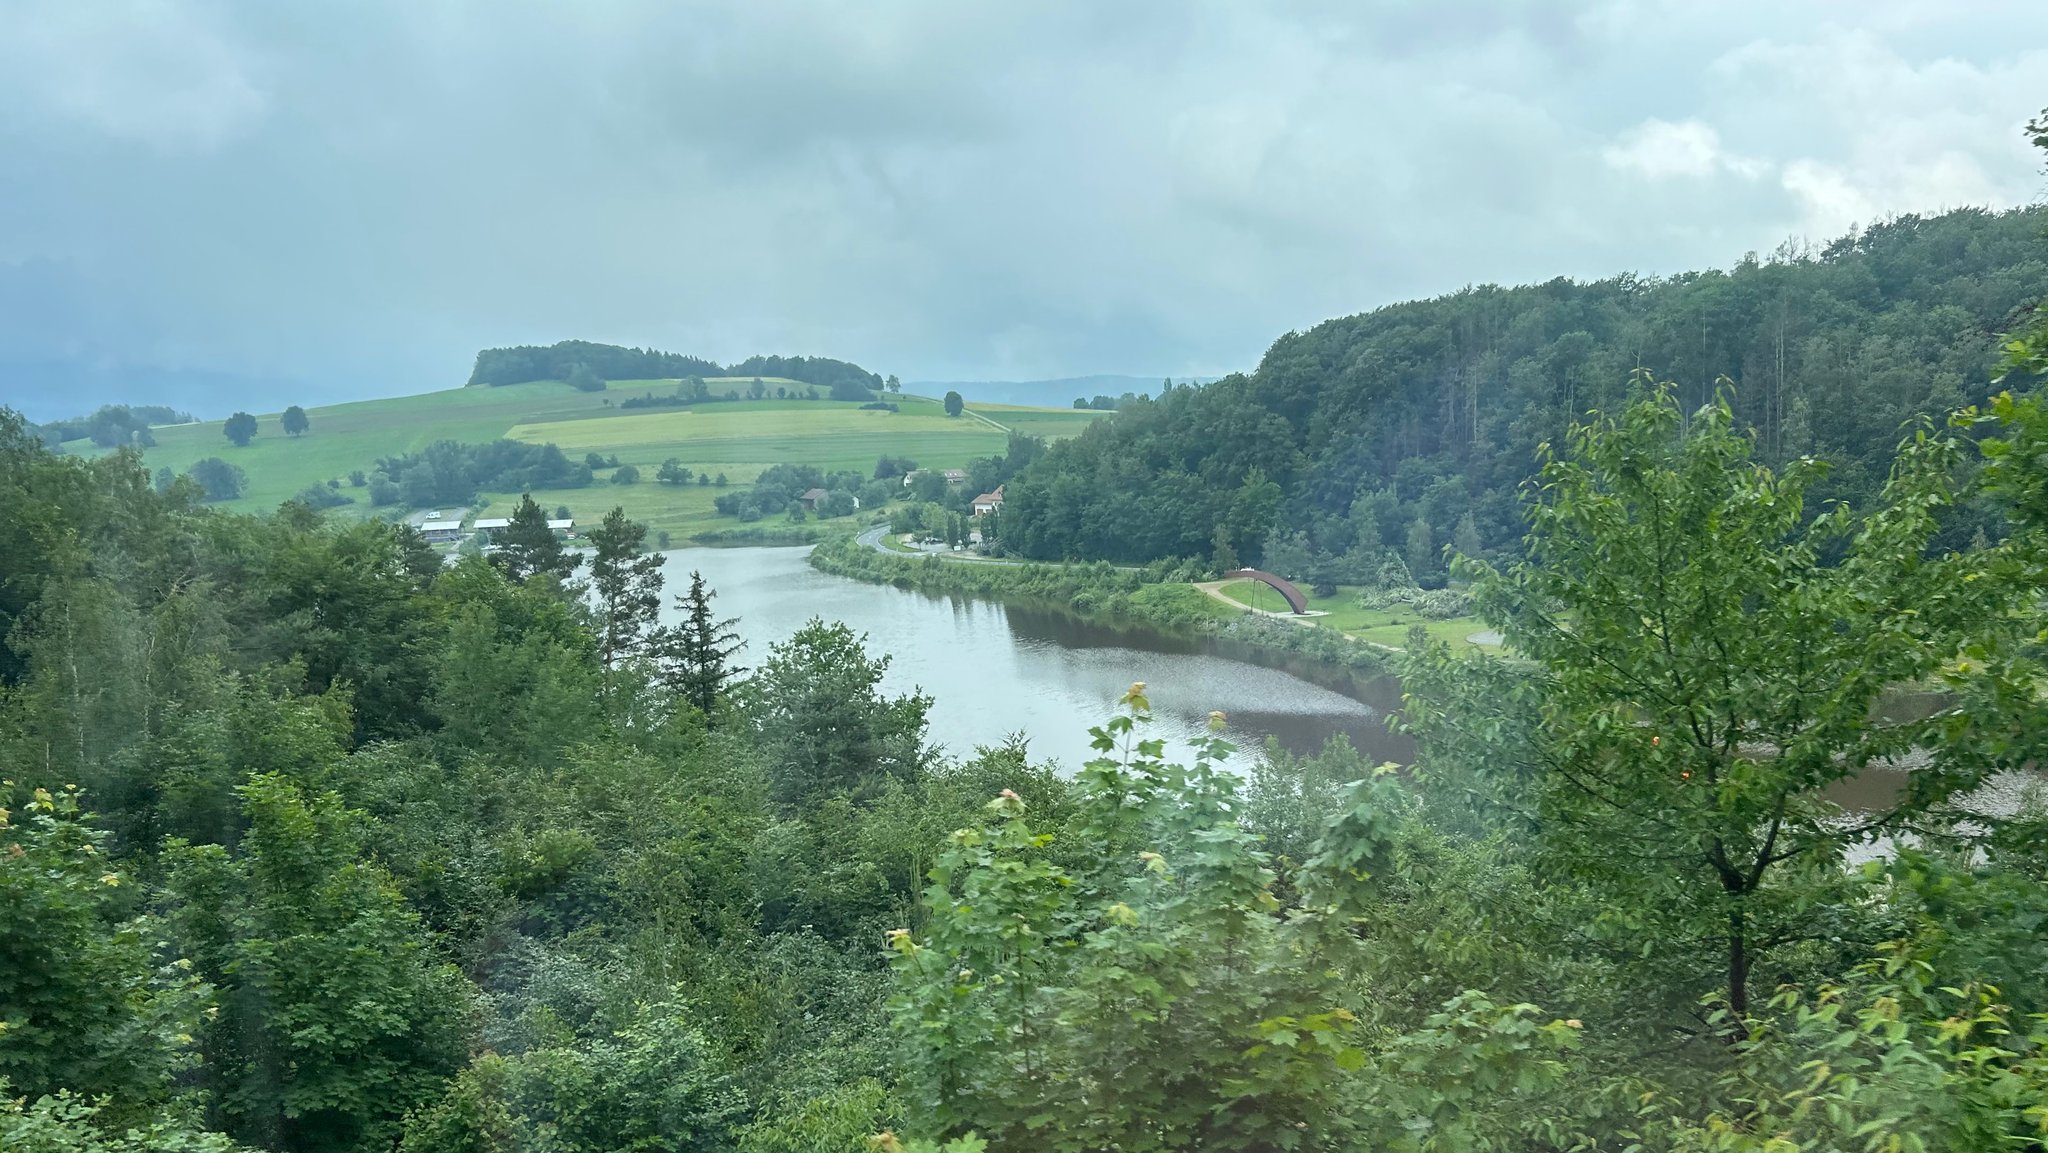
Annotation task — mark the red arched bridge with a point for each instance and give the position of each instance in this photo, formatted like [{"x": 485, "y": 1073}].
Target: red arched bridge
[{"x": 1295, "y": 600}]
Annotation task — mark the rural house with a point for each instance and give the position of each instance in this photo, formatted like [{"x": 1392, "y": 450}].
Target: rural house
[{"x": 989, "y": 501}]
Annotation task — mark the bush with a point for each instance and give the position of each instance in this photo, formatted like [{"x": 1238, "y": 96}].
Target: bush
[
  {"x": 321, "y": 496},
  {"x": 1436, "y": 604},
  {"x": 626, "y": 474},
  {"x": 218, "y": 479}
]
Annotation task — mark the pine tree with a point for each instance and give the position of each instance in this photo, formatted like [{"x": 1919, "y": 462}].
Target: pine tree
[
  {"x": 696, "y": 656},
  {"x": 527, "y": 547},
  {"x": 628, "y": 587}
]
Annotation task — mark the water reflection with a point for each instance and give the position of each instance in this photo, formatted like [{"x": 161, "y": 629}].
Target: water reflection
[{"x": 994, "y": 670}]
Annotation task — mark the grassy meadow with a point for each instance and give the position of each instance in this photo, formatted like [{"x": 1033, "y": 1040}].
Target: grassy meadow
[
  {"x": 737, "y": 438},
  {"x": 1380, "y": 626}
]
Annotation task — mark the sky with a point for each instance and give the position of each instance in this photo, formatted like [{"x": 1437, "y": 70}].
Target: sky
[{"x": 234, "y": 203}]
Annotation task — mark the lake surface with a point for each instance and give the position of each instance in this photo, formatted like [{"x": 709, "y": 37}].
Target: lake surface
[{"x": 996, "y": 669}]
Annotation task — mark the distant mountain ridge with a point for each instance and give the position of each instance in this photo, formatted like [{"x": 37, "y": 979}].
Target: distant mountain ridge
[{"x": 1056, "y": 391}]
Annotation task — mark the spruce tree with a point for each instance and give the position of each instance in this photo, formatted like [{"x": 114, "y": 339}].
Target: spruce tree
[
  {"x": 696, "y": 655},
  {"x": 527, "y": 547},
  {"x": 627, "y": 585}
]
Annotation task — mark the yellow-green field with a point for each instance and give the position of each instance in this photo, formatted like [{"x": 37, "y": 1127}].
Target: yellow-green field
[
  {"x": 1380, "y": 626},
  {"x": 737, "y": 438}
]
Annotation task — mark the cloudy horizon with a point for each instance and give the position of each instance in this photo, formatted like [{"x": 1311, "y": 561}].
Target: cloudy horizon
[{"x": 350, "y": 202}]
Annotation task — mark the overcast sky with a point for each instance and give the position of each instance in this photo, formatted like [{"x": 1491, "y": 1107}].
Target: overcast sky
[{"x": 350, "y": 199}]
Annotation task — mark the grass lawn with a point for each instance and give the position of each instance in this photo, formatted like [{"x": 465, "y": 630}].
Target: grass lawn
[
  {"x": 737, "y": 438},
  {"x": 1380, "y": 626}
]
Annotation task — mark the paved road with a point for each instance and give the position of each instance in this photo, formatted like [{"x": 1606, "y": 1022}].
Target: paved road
[{"x": 873, "y": 539}]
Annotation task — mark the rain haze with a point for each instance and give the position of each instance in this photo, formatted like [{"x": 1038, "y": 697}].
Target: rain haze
[{"x": 206, "y": 202}]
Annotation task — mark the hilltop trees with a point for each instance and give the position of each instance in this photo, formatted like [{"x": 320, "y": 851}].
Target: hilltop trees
[
  {"x": 240, "y": 428},
  {"x": 1433, "y": 409},
  {"x": 294, "y": 421},
  {"x": 953, "y": 403}
]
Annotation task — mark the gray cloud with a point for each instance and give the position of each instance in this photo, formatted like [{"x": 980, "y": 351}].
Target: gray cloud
[{"x": 355, "y": 197}]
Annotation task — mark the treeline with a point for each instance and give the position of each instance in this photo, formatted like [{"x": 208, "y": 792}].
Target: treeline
[
  {"x": 452, "y": 473},
  {"x": 112, "y": 425},
  {"x": 582, "y": 361},
  {"x": 1402, "y": 428}
]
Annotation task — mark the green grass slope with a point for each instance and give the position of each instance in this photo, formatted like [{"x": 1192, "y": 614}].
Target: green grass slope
[{"x": 738, "y": 438}]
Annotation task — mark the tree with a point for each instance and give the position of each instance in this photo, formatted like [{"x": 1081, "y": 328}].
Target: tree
[
  {"x": 894, "y": 385},
  {"x": 954, "y": 404},
  {"x": 584, "y": 378},
  {"x": 528, "y": 547},
  {"x": 838, "y": 502},
  {"x": 1142, "y": 989},
  {"x": 672, "y": 472},
  {"x": 627, "y": 586},
  {"x": 1421, "y": 550},
  {"x": 1465, "y": 538},
  {"x": 356, "y": 479},
  {"x": 335, "y": 1017},
  {"x": 86, "y": 1008},
  {"x": 1222, "y": 556},
  {"x": 294, "y": 421},
  {"x": 240, "y": 428},
  {"x": 757, "y": 389},
  {"x": 626, "y": 474},
  {"x": 1704, "y": 662},
  {"x": 218, "y": 479},
  {"x": 718, "y": 481},
  {"x": 824, "y": 727},
  {"x": 697, "y": 655}
]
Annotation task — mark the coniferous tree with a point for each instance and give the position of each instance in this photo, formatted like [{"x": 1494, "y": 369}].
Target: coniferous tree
[
  {"x": 697, "y": 654},
  {"x": 627, "y": 585},
  {"x": 527, "y": 547}
]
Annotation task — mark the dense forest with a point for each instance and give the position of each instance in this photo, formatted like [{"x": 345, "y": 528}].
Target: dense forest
[
  {"x": 578, "y": 361},
  {"x": 1396, "y": 429}
]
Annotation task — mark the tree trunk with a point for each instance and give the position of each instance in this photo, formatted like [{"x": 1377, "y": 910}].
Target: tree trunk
[{"x": 1738, "y": 967}]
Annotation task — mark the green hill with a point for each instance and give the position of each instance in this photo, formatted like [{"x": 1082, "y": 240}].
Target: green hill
[{"x": 737, "y": 438}]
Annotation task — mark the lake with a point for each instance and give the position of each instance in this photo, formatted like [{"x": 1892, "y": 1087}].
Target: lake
[{"x": 1000, "y": 669}]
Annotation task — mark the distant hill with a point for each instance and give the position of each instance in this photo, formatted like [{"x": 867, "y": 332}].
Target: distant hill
[
  {"x": 1057, "y": 393},
  {"x": 588, "y": 366},
  {"x": 1415, "y": 425}
]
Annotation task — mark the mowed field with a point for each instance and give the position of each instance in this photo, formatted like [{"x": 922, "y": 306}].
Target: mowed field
[
  {"x": 1047, "y": 423},
  {"x": 737, "y": 438},
  {"x": 1387, "y": 627}
]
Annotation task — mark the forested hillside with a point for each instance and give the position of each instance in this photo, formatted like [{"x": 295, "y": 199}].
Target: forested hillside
[{"x": 1390, "y": 429}]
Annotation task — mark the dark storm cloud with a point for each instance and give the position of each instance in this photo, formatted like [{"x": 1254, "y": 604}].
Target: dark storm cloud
[{"x": 355, "y": 197}]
